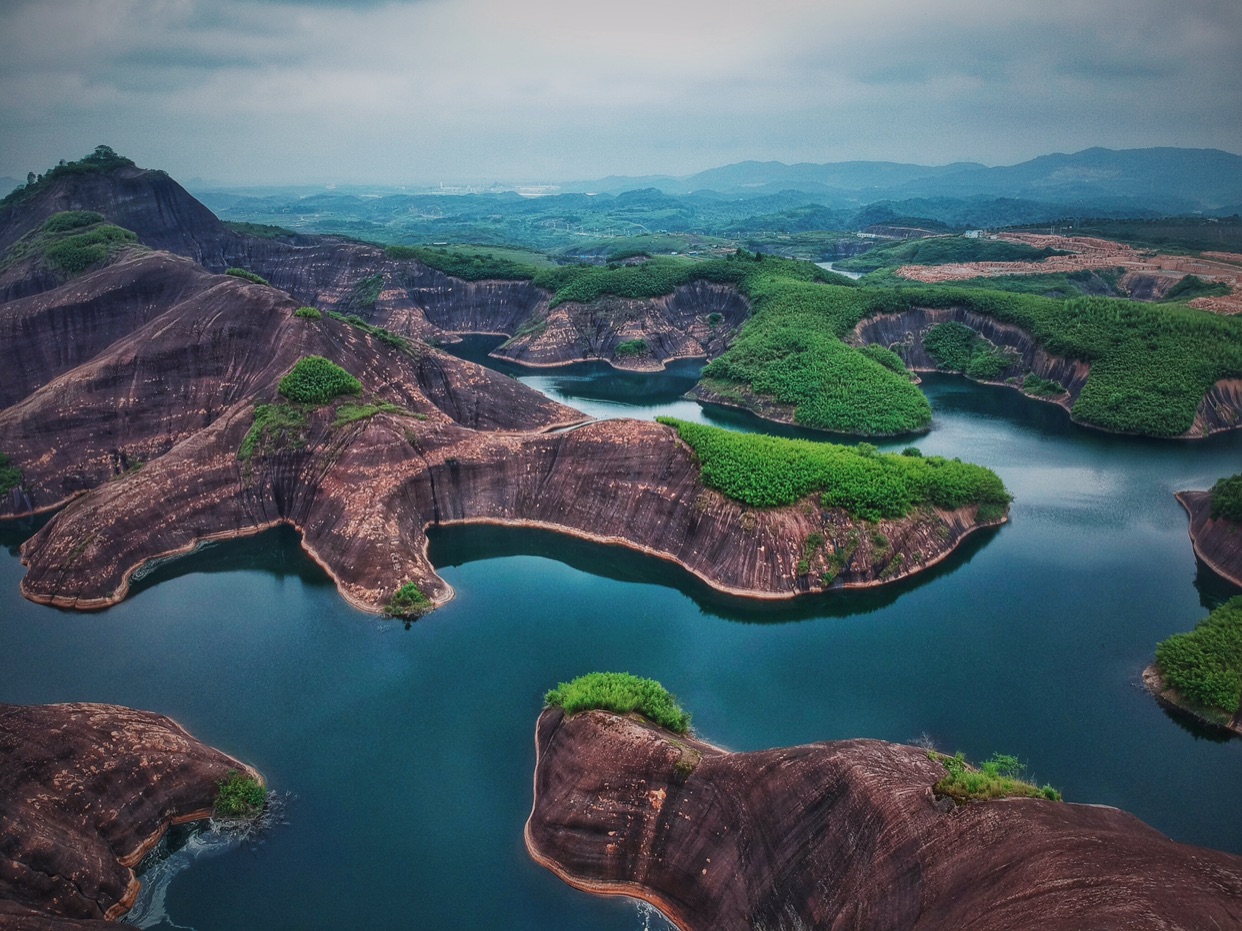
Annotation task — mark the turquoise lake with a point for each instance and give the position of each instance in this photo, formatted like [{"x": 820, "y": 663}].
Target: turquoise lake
[{"x": 409, "y": 752}]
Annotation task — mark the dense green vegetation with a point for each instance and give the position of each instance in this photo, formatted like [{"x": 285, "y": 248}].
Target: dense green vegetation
[
  {"x": 261, "y": 230},
  {"x": 944, "y": 250},
  {"x": 1193, "y": 286},
  {"x": 71, "y": 242},
  {"x": 470, "y": 267},
  {"x": 621, "y": 693},
  {"x": 239, "y": 796},
  {"x": 101, "y": 160},
  {"x": 408, "y": 602},
  {"x": 1227, "y": 498},
  {"x": 366, "y": 292},
  {"x": 1041, "y": 387},
  {"x": 632, "y": 347},
  {"x": 247, "y": 276},
  {"x": 790, "y": 349},
  {"x": 1001, "y": 776},
  {"x": 10, "y": 476},
  {"x": 309, "y": 313},
  {"x": 957, "y": 348},
  {"x": 275, "y": 427},
  {"x": 769, "y": 471},
  {"x": 316, "y": 380},
  {"x": 886, "y": 357},
  {"x": 1091, "y": 282},
  {"x": 1205, "y": 665}
]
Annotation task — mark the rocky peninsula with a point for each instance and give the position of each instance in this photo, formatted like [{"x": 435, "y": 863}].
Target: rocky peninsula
[
  {"x": 845, "y": 834},
  {"x": 86, "y": 791}
]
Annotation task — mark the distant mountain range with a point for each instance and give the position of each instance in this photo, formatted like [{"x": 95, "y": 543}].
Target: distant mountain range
[{"x": 1171, "y": 180}]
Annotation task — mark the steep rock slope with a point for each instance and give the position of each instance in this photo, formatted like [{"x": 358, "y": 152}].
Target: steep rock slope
[
  {"x": 842, "y": 835},
  {"x": 86, "y": 791}
]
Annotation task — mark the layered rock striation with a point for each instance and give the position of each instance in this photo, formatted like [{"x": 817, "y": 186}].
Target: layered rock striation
[
  {"x": 845, "y": 834},
  {"x": 1217, "y": 541},
  {"x": 86, "y": 791}
]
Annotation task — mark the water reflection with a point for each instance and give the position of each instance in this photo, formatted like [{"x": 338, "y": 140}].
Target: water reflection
[{"x": 465, "y": 543}]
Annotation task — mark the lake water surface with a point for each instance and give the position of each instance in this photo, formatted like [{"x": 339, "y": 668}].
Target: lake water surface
[{"x": 410, "y": 751}]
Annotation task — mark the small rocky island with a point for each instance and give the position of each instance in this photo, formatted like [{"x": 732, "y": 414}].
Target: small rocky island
[
  {"x": 86, "y": 791},
  {"x": 854, "y": 833}
]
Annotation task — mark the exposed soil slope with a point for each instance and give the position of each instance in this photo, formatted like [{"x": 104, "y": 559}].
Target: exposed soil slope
[
  {"x": 86, "y": 791},
  {"x": 1217, "y": 541},
  {"x": 846, "y": 835}
]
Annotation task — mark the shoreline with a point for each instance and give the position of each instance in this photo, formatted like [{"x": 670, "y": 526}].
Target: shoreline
[
  {"x": 1168, "y": 698},
  {"x": 1196, "y": 543}
]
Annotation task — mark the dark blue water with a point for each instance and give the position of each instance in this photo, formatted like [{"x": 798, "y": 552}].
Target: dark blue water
[{"x": 410, "y": 751}]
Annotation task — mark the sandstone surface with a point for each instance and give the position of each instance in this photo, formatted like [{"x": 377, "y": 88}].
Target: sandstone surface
[
  {"x": 846, "y": 835},
  {"x": 87, "y": 790}
]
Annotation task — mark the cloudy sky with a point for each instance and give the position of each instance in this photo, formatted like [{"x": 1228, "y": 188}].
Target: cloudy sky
[{"x": 256, "y": 91}]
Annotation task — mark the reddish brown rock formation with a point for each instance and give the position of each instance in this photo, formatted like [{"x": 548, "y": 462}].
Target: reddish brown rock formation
[
  {"x": 85, "y": 792},
  {"x": 1217, "y": 541},
  {"x": 846, "y": 835},
  {"x": 149, "y": 411},
  {"x": 1172, "y": 700},
  {"x": 413, "y": 298}
]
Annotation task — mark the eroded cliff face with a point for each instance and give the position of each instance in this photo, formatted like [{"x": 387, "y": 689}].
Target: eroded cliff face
[
  {"x": 844, "y": 835},
  {"x": 145, "y": 434},
  {"x": 903, "y": 333},
  {"x": 1216, "y": 541},
  {"x": 402, "y": 295},
  {"x": 86, "y": 791}
]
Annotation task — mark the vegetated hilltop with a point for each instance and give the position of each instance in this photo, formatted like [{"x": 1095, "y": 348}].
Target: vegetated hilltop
[
  {"x": 852, "y": 833},
  {"x": 166, "y": 405},
  {"x": 86, "y": 791},
  {"x": 782, "y": 335}
]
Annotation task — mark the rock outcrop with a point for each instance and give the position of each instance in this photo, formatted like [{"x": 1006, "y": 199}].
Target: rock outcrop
[
  {"x": 1217, "y": 541},
  {"x": 143, "y": 421},
  {"x": 846, "y": 834},
  {"x": 86, "y": 791},
  {"x": 405, "y": 296}
]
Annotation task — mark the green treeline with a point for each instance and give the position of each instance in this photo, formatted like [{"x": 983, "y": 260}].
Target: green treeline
[
  {"x": 1227, "y": 498},
  {"x": 768, "y": 471},
  {"x": 101, "y": 160},
  {"x": 1205, "y": 665},
  {"x": 945, "y": 250},
  {"x": 620, "y": 693},
  {"x": 1151, "y": 364}
]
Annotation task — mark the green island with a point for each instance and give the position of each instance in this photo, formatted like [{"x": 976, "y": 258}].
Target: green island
[
  {"x": 999, "y": 776},
  {"x": 239, "y": 796},
  {"x": 620, "y": 693},
  {"x": 769, "y": 471},
  {"x": 1204, "y": 666}
]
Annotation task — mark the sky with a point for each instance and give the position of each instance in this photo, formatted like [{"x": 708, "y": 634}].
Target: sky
[{"x": 426, "y": 91}]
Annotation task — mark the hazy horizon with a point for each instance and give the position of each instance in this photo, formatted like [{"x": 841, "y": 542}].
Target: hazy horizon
[{"x": 421, "y": 91}]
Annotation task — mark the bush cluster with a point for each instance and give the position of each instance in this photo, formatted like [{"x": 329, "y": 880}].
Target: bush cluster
[
  {"x": 275, "y": 427},
  {"x": 408, "y": 602},
  {"x": 1205, "y": 665},
  {"x": 247, "y": 276},
  {"x": 10, "y": 476},
  {"x": 769, "y": 471},
  {"x": 309, "y": 313},
  {"x": 239, "y": 796},
  {"x": 621, "y": 693},
  {"x": 316, "y": 380},
  {"x": 461, "y": 265},
  {"x": 632, "y": 347},
  {"x": 1001, "y": 776}
]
